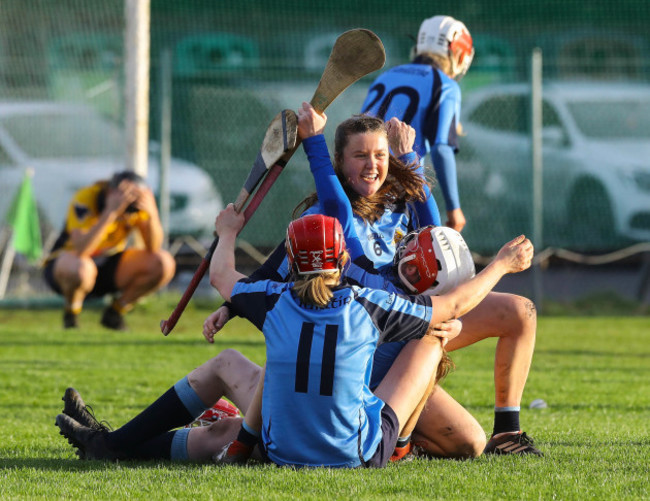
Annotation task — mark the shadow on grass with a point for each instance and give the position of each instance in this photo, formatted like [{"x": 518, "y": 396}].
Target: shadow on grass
[
  {"x": 226, "y": 343},
  {"x": 53, "y": 464},
  {"x": 591, "y": 353}
]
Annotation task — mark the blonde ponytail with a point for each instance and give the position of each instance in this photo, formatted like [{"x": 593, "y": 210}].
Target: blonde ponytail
[{"x": 316, "y": 289}]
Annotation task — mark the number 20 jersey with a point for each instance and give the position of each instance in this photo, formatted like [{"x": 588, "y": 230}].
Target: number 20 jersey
[
  {"x": 317, "y": 409},
  {"x": 423, "y": 97}
]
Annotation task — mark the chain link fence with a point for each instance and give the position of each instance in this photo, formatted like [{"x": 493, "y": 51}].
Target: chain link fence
[{"x": 235, "y": 66}]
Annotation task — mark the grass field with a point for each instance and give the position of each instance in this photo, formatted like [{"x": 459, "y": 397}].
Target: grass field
[{"x": 594, "y": 372}]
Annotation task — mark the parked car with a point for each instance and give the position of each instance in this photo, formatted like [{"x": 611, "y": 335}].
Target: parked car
[
  {"x": 596, "y": 159},
  {"x": 70, "y": 146}
]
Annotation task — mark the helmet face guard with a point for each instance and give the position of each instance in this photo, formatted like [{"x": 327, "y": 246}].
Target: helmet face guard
[
  {"x": 416, "y": 254},
  {"x": 433, "y": 260},
  {"x": 461, "y": 53},
  {"x": 315, "y": 244}
]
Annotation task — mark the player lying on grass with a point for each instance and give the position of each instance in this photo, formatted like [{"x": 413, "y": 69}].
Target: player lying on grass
[{"x": 287, "y": 437}]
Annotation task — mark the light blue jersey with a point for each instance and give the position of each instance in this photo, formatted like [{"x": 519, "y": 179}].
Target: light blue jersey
[
  {"x": 379, "y": 239},
  {"x": 317, "y": 408},
  {"x": 428, "y": 100}
]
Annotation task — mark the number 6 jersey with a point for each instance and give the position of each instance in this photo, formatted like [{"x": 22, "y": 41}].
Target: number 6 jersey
[{"x": 317, "y": 409}]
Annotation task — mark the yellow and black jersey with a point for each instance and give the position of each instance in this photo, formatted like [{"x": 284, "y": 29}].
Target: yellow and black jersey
[{"x": 84, "y": 212}]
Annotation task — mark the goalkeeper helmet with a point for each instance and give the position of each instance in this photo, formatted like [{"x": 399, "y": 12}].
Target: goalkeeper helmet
[
  {"x": 315, "y": 244},
  {"x": 447, "y": 37},
  {"x": 433, "y": 260}
]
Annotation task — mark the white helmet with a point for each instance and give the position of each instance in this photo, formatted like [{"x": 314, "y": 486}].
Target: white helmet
[
  {"x": 447, "y": 37},
  {"x": 439, "y": 257}
]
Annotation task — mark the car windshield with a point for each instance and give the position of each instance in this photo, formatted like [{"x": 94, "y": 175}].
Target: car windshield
[
  {"x": 64, "y": 135},
  {"x": 624, "y": 119}
]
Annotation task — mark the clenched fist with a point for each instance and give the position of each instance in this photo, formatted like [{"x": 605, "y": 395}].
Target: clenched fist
[{"x": 516, "y": 255}]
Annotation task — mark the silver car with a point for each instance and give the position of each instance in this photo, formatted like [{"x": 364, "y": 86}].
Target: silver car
[
  {"x": 596, "y": 157},
  {"x": 71, "y": 146}
]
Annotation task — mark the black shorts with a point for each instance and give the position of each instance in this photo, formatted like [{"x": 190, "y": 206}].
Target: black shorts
[
  {"x": 105, "y": 283},
  {"x": 390, "y": 434}
]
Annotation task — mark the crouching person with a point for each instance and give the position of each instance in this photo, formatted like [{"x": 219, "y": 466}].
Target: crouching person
[{"x": 91, "y": 257}]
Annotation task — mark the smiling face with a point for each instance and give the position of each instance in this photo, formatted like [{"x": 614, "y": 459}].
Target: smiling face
[{"x": 364, "y": 162}]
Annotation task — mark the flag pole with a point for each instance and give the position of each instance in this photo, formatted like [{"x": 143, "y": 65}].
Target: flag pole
[
  {"x": 5, "y": 270},
  {"x": 23, "y": 228}
]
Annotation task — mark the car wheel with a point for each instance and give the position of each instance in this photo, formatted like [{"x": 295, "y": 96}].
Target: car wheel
[{"x": 591, "y": 217}]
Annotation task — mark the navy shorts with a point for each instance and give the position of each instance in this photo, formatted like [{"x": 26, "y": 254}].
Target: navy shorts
[
  {"x": 385, "y": 355},
  {"x": 105, "y": 283},
  {"x": 390, "y": 434}
]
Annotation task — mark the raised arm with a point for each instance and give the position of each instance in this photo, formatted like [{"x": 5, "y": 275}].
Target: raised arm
[
  {"x": 223, "y": 275},
  {"x": 515, "y": 256},
  {"x": 401, "y": 137},
  {"x": 334, "y": 202}
]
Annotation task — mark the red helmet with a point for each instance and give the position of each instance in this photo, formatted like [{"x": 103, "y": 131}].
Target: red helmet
[{"x": 315, "y": 244}]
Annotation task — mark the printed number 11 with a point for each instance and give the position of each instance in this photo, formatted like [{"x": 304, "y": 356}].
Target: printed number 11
[{"x": 304, "y": 355}]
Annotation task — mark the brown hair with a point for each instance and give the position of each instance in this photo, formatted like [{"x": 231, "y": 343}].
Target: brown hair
[
  {"x": 445, "y": 366},
  {"x": 402, "y": 184}
]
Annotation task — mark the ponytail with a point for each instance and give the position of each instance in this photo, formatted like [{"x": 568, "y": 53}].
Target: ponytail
[{"x": 316, "y": 289}]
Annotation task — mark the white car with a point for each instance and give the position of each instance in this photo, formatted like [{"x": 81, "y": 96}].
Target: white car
[
  {"x": 596, "y": 157},
  {"x": 71, "y": 146}
]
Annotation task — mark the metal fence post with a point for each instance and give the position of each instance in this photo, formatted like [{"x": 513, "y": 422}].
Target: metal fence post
[
  {"x": 537, "y": 171},
  {"x": 165, "y": 138}
]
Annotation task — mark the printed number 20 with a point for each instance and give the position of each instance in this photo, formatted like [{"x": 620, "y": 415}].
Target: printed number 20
[{"x": 304, "y": 354}]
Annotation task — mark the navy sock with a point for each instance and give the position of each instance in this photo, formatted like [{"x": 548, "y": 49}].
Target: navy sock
[
  {"x": 506, "y": 420},
  {"x": 157, "y": 448},
  {"x": 246, "y": 437},
  {"x": 402, "y": 441},
  {"x": 165, "y": 414}
]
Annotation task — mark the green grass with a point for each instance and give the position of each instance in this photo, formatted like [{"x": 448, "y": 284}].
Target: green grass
[{"x": 594, "y": 372}]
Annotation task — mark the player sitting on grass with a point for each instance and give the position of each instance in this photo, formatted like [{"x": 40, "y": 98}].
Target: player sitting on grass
[
  {"x": 274, "y": 307},
  {"x": 91, "y": 259},
  {"x": 327, "y": 389},
  {"x": 445, "y": 428},
  {"x": 149, "y": 435}
]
